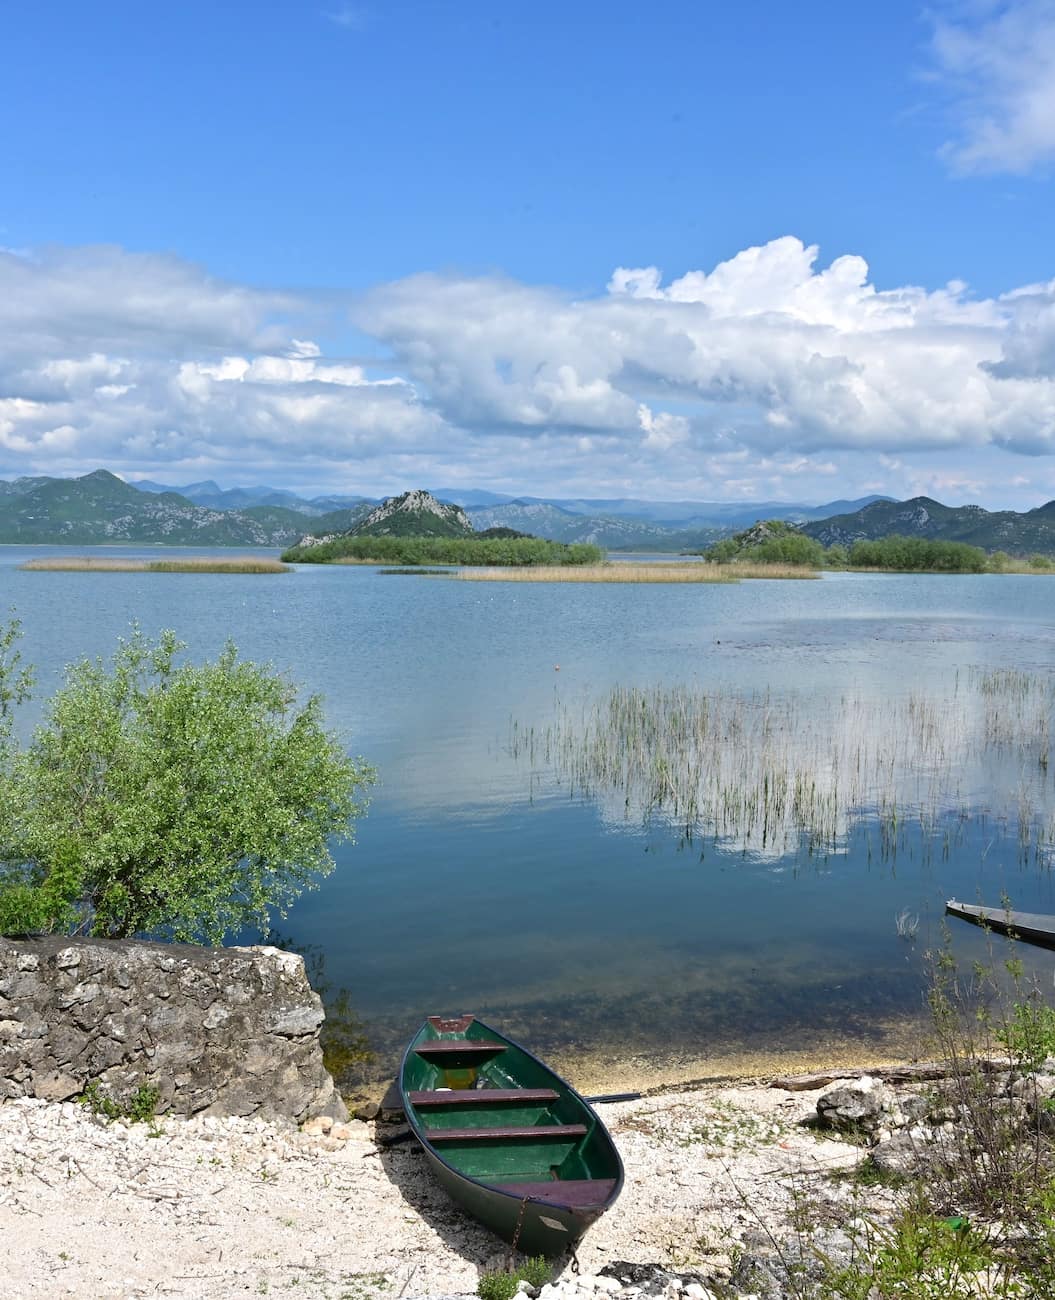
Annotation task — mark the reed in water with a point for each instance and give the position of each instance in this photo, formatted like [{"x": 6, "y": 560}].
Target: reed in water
[
  {"x": 640, "y": 573},
  {"x": 772, "y": 773},
  {"x": 121, "y": 564}
]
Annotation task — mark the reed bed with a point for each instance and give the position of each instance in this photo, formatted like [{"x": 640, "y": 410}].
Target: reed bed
[
  {"x": 417, "y": 573},
  {"x": 119, "y": 564},
  {"x": 750, "y": 569},
  {"x": 776, "y": 774},
  {"x": 600, "y": 573}
]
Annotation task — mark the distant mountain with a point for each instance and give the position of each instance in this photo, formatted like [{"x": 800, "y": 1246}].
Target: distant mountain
[
  {"x": 210, "y": 494},
  {"x": 696, "y": 514},
  {"x": 471, "y": 496},
  {"x": 100, "y": 508},
  {"x": 615, "y": 522},
  {"x": 561, "y": 525},
  {"x": 414, "y": 514},
  {"x": 994, "y": 530}
]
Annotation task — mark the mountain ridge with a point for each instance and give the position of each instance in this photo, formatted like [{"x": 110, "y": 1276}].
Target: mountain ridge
[
  {"x": 1004, "y": 530},
  {"x": 100, "y": 508}
]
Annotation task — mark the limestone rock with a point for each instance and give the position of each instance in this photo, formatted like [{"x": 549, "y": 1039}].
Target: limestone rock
[
  {"x": 56, "y": 1087},
  {"x": 856, "y": 1109},
  {"x": 230, "y": 1031}
]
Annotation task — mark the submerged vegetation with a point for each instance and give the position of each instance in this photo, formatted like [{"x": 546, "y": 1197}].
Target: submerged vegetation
[
  {"x": 120, "y": 564},
  {"x": 444, "y": 550},
  {"x": 771, "y": 773}
]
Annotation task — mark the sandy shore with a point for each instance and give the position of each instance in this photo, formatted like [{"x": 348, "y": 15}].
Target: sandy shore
[{"x": 216, "y": 1208}]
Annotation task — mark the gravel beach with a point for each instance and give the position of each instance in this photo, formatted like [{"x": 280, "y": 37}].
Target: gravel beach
[{"x": 207, "y": 1209}]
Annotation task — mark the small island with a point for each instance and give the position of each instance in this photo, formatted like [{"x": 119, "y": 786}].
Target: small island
[{"x": 415, "y": 528}]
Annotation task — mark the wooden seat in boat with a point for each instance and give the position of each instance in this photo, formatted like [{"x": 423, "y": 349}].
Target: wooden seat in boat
[
  {"x": 537, "y": 1132},
  {"x": 481, "y": 1096},
  {"x": 460, "y": 1047}
]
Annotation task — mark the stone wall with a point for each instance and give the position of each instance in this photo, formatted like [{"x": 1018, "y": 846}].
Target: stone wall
[{"x": 220, "y": 1031}]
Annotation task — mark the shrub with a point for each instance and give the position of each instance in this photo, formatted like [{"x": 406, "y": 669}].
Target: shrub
[
  {"x": 918, "y": 555},
  {"x": 187, "y": 800}
]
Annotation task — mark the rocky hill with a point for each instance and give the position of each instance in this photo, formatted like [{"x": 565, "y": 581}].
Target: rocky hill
[
  {"x": 1032, "y": 531},
  {"x": 415, "y": 514},
  {"x": 100, "y": 508}
]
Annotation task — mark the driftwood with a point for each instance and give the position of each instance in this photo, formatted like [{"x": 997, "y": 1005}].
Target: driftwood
[{"x": 918, "y": 1072}]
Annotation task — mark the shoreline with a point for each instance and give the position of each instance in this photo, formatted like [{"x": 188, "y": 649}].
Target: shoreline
[
  {"x": 593, "y": 1070},
  {"x": 215, "y": 1208}
]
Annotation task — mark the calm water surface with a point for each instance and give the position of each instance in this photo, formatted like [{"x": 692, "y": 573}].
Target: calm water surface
[{"x": 481, "y": 882}]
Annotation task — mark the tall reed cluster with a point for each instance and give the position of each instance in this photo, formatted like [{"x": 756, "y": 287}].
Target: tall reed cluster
[{"x": 772, "y": 773}]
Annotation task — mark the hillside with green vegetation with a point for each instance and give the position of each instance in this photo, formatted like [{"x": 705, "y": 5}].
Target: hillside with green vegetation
[
  {"x": 1027, "y": 533},
  {"x": 770, "y": 541},
  {"x": 100, "y": 508}
]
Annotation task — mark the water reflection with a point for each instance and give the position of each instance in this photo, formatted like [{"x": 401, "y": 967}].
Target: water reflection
[{"x": 480, "y": 883}]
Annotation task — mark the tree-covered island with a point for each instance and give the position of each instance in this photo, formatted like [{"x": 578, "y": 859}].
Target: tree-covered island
[{"x": 415, "y": 529}]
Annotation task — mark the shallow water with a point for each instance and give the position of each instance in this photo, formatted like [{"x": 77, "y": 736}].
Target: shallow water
[{"x": 481, "y": 881}]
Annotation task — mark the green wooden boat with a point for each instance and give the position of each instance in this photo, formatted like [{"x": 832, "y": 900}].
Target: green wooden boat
[{"x": 513, "y": 1144}]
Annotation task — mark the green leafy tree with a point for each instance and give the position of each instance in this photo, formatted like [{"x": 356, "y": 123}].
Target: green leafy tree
[
  {"x": 918, "y": 555},
  {"x": 190, "y": 800}
]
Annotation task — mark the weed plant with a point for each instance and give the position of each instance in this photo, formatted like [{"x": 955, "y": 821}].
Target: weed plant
[
  {"x": 502, "y": 1284},
  {"x": 140, "y": 1107}
]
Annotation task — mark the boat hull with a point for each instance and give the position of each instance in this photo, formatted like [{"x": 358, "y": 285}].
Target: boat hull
[
  {"x": 544, "y": 1229},
  {"x": 509, "y": 1140}
]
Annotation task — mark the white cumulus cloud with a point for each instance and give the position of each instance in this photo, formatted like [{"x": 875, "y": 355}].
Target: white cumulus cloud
[
  {"x": 765, "y": 374},
  {"x": 998, "y": 60}
]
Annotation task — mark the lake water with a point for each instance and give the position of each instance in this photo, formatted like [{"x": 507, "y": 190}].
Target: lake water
[{"x": 483, "y": 881}]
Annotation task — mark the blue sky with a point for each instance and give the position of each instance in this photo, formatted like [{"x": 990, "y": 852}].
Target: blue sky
[{"x": 370, "y": 246}]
